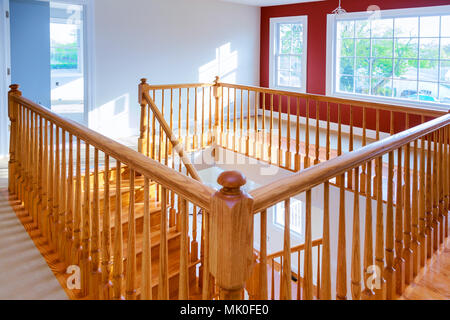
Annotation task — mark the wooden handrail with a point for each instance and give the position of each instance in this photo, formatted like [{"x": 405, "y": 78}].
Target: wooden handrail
[
  {"x": 432, "y": 112},
  {"x": 187, "y": 187},
  {"x": 173, "y": 139},
  {"x": 296, "y": 248},
  {"x": 271, "y": 194},
  {"x": 178, "y": 86}
]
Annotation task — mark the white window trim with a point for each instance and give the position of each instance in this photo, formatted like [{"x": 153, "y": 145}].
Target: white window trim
[
  {"x": 272, "y": 48},
  {"x": 331, "y": 53}
]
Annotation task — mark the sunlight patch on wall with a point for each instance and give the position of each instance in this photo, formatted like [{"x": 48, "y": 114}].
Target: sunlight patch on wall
[{"x": 224, "y": 65}]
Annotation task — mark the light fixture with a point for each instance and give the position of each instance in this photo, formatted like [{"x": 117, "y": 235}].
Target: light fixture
[{"x": 339, "y": 10}]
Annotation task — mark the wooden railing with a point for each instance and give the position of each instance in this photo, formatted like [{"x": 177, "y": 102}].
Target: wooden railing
[
  {"x": 77, "y": 204},
  {"x": 403, "y": 242},
  {"x": 82, "y": 190}
]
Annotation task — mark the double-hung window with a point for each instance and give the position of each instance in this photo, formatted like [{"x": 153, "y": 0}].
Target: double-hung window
[
  {"x": 394, "y": 55},
  {"x": 288, "y": 38}
]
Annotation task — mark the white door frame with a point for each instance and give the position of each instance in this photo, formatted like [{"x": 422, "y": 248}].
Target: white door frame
[
  {"x": 88, "y": 55},
  {"x": 5, "y": 78}
]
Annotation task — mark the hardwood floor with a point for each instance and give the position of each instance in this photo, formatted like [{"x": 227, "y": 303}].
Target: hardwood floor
[{"x": 433, "y": 282}]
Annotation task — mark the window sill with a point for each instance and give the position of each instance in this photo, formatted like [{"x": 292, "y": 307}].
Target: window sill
[{"x": 398, "y": 102}]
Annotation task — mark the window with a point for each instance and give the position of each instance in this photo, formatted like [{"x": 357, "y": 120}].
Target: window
[
  {"x": 398, "y": 55},
  {"x": 288, "y": 53},
  {"x": 296, "y": 215}
]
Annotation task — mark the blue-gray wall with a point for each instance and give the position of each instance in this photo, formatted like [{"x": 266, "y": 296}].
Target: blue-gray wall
[{"x": 30, "y": 49}]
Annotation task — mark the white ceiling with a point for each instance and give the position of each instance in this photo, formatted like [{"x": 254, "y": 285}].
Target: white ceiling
[{"x": 264, "y": 3}]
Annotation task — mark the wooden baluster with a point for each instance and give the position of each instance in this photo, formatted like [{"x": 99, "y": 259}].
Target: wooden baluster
[
  {"x": 206, "y": 281},
  {"x": 364, "y": 138},
  {"x": 288, "y": 153},
  {"x": 380, "y": 291},
  {"x": 271, "y": 130},
  {"x": 356, "y": 251},
  {"x": 241, "y": 124},
  {"x": 263, "y": 125},
  {"x": 308, "y": 270},
  {"x": 306, "y": 159},
  {"x": 280, "y": 154},
  {"x": 70, "y": 205},
  {"x": 25, "y": 187},
  {"x": 50, "y": 192},
  {"x": 350, "y": 149},
  {"x": 95, "y": 276},
  {"x": 263, "y": 257},
  {"x": 36, "y": 170},
  {"x": 256, "y": 141},
  {"x": 86, "y": 220},
  {"x": 202, "y": 145},
  {"x": 234, "y": 120},
  {"x": 415, "y": 213},
  {"x": 118, "y": 238},
  {"x": 247, "y": 136},
  {"x": 368, "y": 293},
  {"x": 447, "y": 179},
  {"x": 441, "y": 176},
  {"x": 341, "y": 277},
  {"x": 286, "y": 271},
  {"x": 62, "y": 197},
  {"x": 227, "y": 135},
  {"x": 161, "y": 131},
  {"x": 195, "y": 137},
  {"x": 163, "y": 283},
  {"x": 399, "y": 263},
  {"x": 147, "y": 247},
  {"x": 131, "y": 244},
  {"x": 272, "y": 290},
  {"x": 40, "y": 205},
  {"x": 153, "y": 146},
  {"x": 377, "y": 137},
  {"x": 56, "y": 192},
  {"x": 325, "y": 293},
  {"x": 184, "y": 253},
  {"x": 328, "y": 147},
  {"x": 339, "y": 144},
  {"x": 407, "y": 236},
  {"x": 422, "y": 215},
  {"x": 107, "y": 263},
  {"x": 317, "y": 147},
  {"x": 389, "y": 271},
  {"x": 282, "y": 280},
  {"x": 435, "y": 184},
  {"x": 299, "y": 295},
  {"x": 429, "y": 201},
  {"x": 297, "y": 138},
  {"x": 77, "y": 248}
]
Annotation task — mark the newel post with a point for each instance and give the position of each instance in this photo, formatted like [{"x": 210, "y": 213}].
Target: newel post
[
  {"x": 12, "y": 113},
  {"x": 231, "y": 236},
  {"x": 143, "y": 138}
]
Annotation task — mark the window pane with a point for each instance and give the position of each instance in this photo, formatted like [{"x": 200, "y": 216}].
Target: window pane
[
  {"x": 405, "y": 69},
  {"x": 445, "y": 71},
  {"x": 284, "y": 62},
  {"x": 429, "y": 26},
  {"x": 445, "y": 48},
  {"x": 362, "y": 85},
  {"x": 406, "y": 48},
  {"x": 382, "y": 28},
  {"x": 346, "y": 84},
  {"x": 429, "y": 70},
  {"x": 382, "y": 87},
  {"x": 347, "y": 48},
  {"x": 297, "y": 38},
  {"x": 283, "y": 78},
  {"x": 444, "y": 93},
  {"x": 405, "y": 89},
  {"x": 285, "y": 38},
  {"x": 363, "y": 48},
  {"x": 428, "y": 91},
  {"x": 295, "y": 63},
  {"x": 429, "y": 48},
  {"x": 445, "y": 26},
  {"x": 295, "y": 79},
  {"x": 382, "y": 68},
  {"x": 64, "y": 46},
  {"x": 345, "y": 29},
  {"x": 406, "y": 27},
  {"x": 362, "y": 28},
  {"x": 362, "y": 67},
  {"x": 382, "y": 48},
  {"x": 347, "y": 66}
]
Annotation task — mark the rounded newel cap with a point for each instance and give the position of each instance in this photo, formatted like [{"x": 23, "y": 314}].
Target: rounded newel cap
[
  {"x": 216, "y": 80},
  {"x": 143, "y": 80},
  {"x": 14, "y": 87},
  {"x": 231, "y": 181}
]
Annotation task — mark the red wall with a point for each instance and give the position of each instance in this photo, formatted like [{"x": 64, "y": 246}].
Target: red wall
[{"x": 317, "y": 33}]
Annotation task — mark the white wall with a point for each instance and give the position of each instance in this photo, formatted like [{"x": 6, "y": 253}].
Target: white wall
[
  {"x": 170, "y": 41},
  {"x": 4, "y": 79}
]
